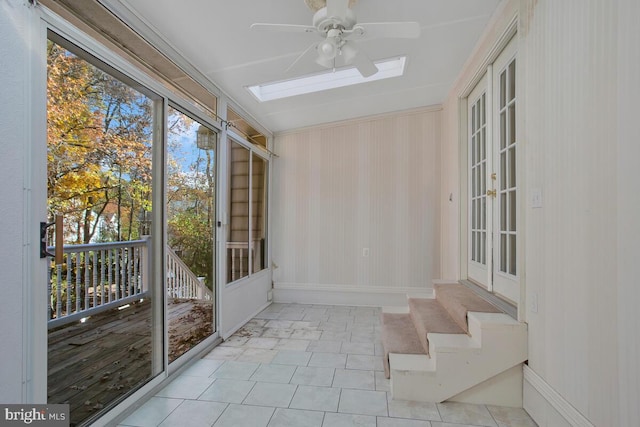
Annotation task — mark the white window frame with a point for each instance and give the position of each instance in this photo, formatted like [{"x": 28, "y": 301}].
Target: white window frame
[
  {"x": 50, "y": 21},
  {"x": 231, "y": 135}
]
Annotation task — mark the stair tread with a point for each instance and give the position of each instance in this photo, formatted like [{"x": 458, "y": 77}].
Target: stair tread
[
  {"x": 457, "y": 300},
  {"x": 429, "y": 316},
  {"x": 398, "y": 336}
]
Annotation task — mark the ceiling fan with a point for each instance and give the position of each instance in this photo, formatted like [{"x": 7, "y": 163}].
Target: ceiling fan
[{"x": 336, "y": 23}]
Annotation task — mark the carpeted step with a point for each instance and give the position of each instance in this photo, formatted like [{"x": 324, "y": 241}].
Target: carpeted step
[
  {"x": 398, "y": 336},
  {"x": 457, "y": 300},
  {"x": 428, "y": 316}
]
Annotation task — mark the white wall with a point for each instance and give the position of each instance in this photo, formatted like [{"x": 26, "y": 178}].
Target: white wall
[
  {"x": 579, "y": 70},
  {"x": 242, "y": 300},
  {"x": 571, "y": 143},
  {"x": 450, "y": 193},
  {"x": 369, "y": 183},
  {"x": 628, "y": 212},
  {"x": 22, "y": 356}
]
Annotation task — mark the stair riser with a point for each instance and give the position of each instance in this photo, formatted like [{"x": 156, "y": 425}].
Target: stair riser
[{"x": 459, "y": 363}]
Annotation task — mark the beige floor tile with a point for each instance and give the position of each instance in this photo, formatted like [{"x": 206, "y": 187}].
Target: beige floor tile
[
  {"x": 245, "y": 416},
  {"x": 466, "y": 413},
  {"x": 257, "y": 355},
  {"x": 511, "y": 417},
  {"x": 296, "y": 418}
]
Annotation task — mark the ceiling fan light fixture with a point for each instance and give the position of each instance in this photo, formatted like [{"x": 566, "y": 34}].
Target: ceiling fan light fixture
[
  {"x": 325, "y": 62},
  {"x": 348, "y": 53},
  {"x": 328, "y": 48}
]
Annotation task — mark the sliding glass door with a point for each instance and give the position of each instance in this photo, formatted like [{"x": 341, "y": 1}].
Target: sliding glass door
[
  {"x": 104, "y": 168},
  {"x": 191, "y": 232}
]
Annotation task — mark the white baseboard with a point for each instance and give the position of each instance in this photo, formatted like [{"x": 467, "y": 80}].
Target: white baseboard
[
  {"x": 345, "y": 295},
  {"x": 546, "y": 406}
]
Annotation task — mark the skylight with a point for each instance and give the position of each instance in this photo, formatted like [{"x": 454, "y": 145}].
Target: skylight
[{"x": 387, "y": 68}]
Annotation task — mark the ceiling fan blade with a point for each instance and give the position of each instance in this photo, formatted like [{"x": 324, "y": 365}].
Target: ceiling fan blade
[
  {"x": 310, "y": 51},
  {"x": 288, "y": 28},
  {"x": 337, "y": 8},
  {"x": 377, "y": 30},
  {"x": 366, "y": 67}
]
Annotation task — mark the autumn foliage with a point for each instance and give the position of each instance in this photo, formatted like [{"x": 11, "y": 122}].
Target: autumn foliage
[
  {"x": 100, "y": 164},
  {"x": 99, "y": 151}
]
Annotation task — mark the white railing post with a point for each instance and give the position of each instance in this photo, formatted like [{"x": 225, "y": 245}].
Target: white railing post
[{"x": 145, "y": 264}]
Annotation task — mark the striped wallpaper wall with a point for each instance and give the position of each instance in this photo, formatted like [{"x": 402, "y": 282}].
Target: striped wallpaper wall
[
  {"x": 579, "y": 63},
  {"x": 356, "y": 204}
]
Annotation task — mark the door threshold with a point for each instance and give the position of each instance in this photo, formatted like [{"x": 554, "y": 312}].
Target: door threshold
[{"x": 503, "y": 305}]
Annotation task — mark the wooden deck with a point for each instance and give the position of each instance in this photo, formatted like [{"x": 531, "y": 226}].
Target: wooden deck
[{"x": 95, "y": 364}]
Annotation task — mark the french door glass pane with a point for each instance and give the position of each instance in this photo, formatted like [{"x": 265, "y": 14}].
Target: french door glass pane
[
  {"x": 512, "y": 254},
  {"x": 483, "y": 178},
  {"x": 508, "y": 184},
  {"x": 503, "y": 212},
  {"x": 478, "y": 187},
  {"x": 512, "y": 81},
  {"x": 511, "y": 124},
  {"x": 191, "y": 207},
  {"x": 512, "y": 211},
  {"x": 103, "y": 340},
  {"x": 503, "y": 129},
  {"x": 503, "y": 90},
  {"x": 474, "y": 249}
]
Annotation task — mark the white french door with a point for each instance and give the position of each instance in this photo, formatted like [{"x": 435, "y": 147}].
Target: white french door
[
  {"x": 479, "y": 166},
  {"x": 493, "y": 196}
]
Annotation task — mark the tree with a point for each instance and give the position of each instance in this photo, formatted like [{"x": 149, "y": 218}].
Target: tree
[
  {"x": 99, "y": 149},
  {"x": 190, "y": 197}
]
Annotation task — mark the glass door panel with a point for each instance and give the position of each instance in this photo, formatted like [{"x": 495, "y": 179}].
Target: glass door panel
[
  {"x": 191, "y": 218},
  {"x": 101, "y": 170},
  {"x": 505, "y": 278},
  {"x": 478, "y": 167},
  {"x": 492, "y": 184}
]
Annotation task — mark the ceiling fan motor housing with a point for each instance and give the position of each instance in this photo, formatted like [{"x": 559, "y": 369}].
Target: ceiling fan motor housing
[
  {"x": 325, "y": 23},
  {"x": 316, "y": 5}
]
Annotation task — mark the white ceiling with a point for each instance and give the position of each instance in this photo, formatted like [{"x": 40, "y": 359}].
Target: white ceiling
[{"x": 214, "y": 37}]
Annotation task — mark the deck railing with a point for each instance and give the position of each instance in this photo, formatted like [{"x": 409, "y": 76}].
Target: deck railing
[
  {"x": 95, "y": 277},
  {"x": 182, "y": 282},
  {"x": 100, "y": 276}
]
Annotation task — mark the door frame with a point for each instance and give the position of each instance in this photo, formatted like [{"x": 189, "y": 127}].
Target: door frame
[
  {"x": 35, "y": 371},
  {"x": 493, "y": 49}
]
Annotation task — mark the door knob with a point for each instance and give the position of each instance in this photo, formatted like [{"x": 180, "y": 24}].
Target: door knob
[{"x": 491, "y": 193}]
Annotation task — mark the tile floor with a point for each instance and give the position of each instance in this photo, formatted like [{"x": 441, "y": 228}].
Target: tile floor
[{"x": 300, "y": 365}]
